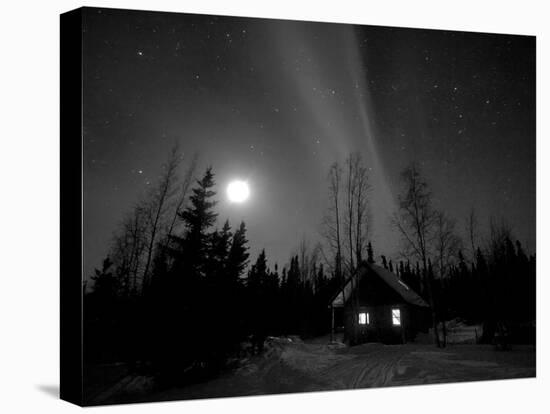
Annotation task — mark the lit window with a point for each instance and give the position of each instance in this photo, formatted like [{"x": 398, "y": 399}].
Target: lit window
[
  {"x": 396, "y": 317},
  {"x": 364, "y": 318}
]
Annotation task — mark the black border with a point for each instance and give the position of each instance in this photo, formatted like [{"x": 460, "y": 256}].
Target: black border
[{"x": 71, "y": 364}]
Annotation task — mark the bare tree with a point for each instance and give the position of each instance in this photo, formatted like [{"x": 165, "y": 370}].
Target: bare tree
[
  {"x": 350, "y": 197},
  {"x": 303, "y": 260},
  {"x": 499, "y": 232},
  {"x": 149, "y": 224},
  {"x": 446, "y": 242},
  {"x": 182, "y": 195},
  {"x": 358, "y": 220},
  {"x": 308, "y": 257},
  {"x": 415, "y": 219},
  {"x": 471, "y": 231},
  {"x": 415, "y": 222},
  {"x": 361, "y": 204},
  {"x": 346, "y": 224},
  {"x": 332, "y": 229},
  {"x": 129, "y": 244},
  {"x": 157, "y": 205},
  {"x": 332, "y": 223}
]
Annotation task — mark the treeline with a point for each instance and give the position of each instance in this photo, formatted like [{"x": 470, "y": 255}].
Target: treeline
[
  {"x": 495, "y": 286},
  {"x": 179, "y": 302},
  {"x": 179, "y": 297},
  {"x": 497, "y": 289}
]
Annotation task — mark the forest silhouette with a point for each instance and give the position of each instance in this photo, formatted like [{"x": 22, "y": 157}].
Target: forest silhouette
[{"x": 181, "y": 300}]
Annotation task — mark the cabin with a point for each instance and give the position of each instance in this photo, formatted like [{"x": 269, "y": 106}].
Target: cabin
[{"x": 376, "y": 306}]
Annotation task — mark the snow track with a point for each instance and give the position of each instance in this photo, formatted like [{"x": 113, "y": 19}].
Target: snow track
[{"x": 294, "y": 366}]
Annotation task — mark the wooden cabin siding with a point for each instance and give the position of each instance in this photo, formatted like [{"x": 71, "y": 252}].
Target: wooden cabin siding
[
  {"x": 380, "y": 327},
  {"x": 376, "y": 291}
]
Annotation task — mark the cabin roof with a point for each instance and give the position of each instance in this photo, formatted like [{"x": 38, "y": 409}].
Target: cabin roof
[{"x": 408, "y": 295}]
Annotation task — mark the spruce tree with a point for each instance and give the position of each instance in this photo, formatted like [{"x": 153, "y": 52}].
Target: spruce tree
[
  {"x": 370, "y": 253},
  {"x": 191, "y": 255},
  {"x": 105, "y": 284},
  {"x": 238, "y": 254},
  {"x": 256, "y": 286},
  {"x": 220, "y": 243},
  {"x": 257, "y": 276},
  {"x": 384, "y": 262},
  {"x": 401, "y": 269},
  {"x": 187, "y": 285}
]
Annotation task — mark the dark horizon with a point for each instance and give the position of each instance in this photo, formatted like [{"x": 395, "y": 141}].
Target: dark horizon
[{"x": 277, "y": 102}]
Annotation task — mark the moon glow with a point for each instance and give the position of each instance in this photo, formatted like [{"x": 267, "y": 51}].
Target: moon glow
[{"x": 238, "y": 191}]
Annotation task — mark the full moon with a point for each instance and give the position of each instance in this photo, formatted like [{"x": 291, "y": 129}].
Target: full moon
[{"x": 238, "y": 191}]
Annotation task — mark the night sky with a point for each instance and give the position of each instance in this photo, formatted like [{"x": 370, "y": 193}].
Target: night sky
[{"x": 276, "y": 102}]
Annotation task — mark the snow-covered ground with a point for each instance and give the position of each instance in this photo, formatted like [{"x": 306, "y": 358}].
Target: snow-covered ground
[{"x": 290, "y": 365}]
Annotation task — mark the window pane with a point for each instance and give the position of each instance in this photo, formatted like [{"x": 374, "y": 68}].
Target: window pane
[
  {"x": 362, "y": 318},
  {"x": 396, "y": 316}
]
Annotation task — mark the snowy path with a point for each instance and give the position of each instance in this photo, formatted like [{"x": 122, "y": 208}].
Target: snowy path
[
  {"x": 301, "y": 367},
  {"x": 382, "y": 366}
]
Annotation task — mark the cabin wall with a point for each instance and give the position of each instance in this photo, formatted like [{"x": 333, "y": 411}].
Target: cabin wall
[
  {"x": 380, "y": 327},
  {"x": 377, "y": 298}
]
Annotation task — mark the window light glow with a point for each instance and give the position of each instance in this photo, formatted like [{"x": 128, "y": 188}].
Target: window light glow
[
  {"x": 396, "y": 317},
  {"x": 364, "y": 318}
]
